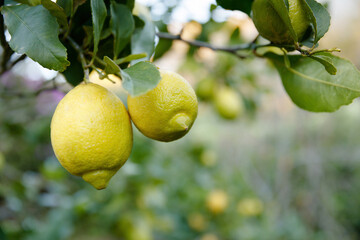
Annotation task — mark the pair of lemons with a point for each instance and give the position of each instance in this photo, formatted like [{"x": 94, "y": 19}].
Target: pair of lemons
[{"x": 91, "y": 131}]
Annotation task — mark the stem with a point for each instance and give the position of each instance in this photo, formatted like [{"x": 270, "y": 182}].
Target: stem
[
  {"x": 82, "y": 58},
  {"x": 230, "y": 49},
  {"x": 7, "y": 51}
]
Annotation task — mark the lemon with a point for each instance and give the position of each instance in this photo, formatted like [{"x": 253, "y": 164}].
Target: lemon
[
  {"x": 168, "y": 111},
  {"x": 205, "y": 89},
  {"x": 228, "y": 103},
  {"x": 217, "y": 201},
  {"x": 91, "y": 133},
  {"x": 271, "y": 26},
  {"x": 209, "y": 236},
  {"x": 197, "y": 221},
  {"x": 250, "y": 207}
]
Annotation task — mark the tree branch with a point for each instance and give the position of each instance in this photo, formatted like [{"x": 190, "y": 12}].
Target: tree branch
[
  {"x": 7, "y": 51},
  {"x": 230, "y": 49},
  {"x": 81, "y": 56}
]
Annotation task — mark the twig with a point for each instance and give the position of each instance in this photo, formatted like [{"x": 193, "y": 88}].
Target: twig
[
  {"x": 22, "y": 57},
  {"x": 230, "y": 49},
  {"x": 5, "y": 45},
  {"x": 81, "y": 56}
]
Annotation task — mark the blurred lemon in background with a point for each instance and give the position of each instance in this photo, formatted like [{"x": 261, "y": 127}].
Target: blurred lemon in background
[
  {"x": 197, "y": 221},
  {"x": 250, "y": 207},
  {"x": 209, "y": 236},
  {"x": 167, "y": 112},
  {"x": 217, "y": 201},
  {"x": 228, "y": 103},
  {"x": 205, "y": 89},
  {"x": 91, "y": 133},
  {"x": 208, "y": 157}
]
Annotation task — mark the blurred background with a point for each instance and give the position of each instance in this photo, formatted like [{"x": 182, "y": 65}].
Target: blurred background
[{"x": 266, "y": 170}]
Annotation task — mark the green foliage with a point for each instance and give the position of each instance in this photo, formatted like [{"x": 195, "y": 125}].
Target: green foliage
[
  {"x": 312, "y": 88},
  {"x": 122, "y": 32},
  {"x": 320, "y": 18},
  {"x": 41, "y": 34},
  {"x": 244, "y": 5},
  {"x": 139, "y": 78}
]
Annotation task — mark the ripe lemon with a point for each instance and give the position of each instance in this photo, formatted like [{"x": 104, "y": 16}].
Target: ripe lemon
[
  {"x": 91, "y": 133},
  {"x": 167, "y": 112},
  {"x": 271, "y": 26},
  {"x": 228, "y": 103},
  {"x": 197, "y": 221},
  {"x": 217, "y": 201}
]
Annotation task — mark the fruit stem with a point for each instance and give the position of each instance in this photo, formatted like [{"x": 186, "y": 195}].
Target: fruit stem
[{"x": 82, "y": 58}]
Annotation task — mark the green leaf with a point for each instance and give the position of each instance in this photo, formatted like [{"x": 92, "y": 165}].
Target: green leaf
[
  {"x": 37, "y": 37},
  {"x": 111, "y": 67},
  {"x": 122, "y": 25},
  {"x": 283, "y": 12},
  {"x": 242, "y": 5},
  {"x": 140, "y": 78},
  {"x": 67, "y": 5},
  {"x": 320, "y": 18},
  {"x": 326, "y": 61},
  {"x": 56, "y": 11},
  {"x": 312, "y": 88},
  {"x": 98, "y": 11},
  {"x": 74, "y": 73},
  {"x": 29, "y": 2},
  {"x": 143, "y": 39},
  {"x": 130, "y": 58}
]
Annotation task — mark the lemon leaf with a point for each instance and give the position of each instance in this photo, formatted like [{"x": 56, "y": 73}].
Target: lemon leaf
[
  {"x": 140, "y": 78},
  {"x": 130, "y": 58},
  {"x": 35, "y": 37},
  {"x": 243, "y": 5},
  {"x": 312, "y": 88},
  {"x": 56, "y": 11},
  {"x": 326, "y": 61},
  {"x": 98, "y": 11},
  {"x": 122, "y": 25},
  {"x": 143, "y": 38},
  {"x": 111, "y": 67},
  {"x": 320, "y": 18},
  {"x": 67, "y": 5}
]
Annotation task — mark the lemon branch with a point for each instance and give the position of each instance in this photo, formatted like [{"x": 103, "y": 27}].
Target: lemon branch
[
  {"x": 230, "y": 49},
  {"x": 82, "y": 58}
]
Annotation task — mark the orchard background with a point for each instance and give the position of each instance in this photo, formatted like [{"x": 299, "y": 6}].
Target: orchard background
[{"x": 275, "y": 172}]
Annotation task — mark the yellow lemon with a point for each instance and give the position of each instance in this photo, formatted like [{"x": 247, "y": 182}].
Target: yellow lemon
[
  {"x": 228, "y": 103},
  {"x": 217, "y": 201},
  {"x": 271, "y": 26},
  {"x": 167, "y": 112},
  {"x": 250, "y": 207},
  {"x": 91, "y": 133}
]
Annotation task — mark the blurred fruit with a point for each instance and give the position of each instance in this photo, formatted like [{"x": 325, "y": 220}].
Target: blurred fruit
[
  {"x": 217, "y": 201},
  {"x": 209, "y": 236},
  {"x": 228, "y": 103},
  {"x": 132, "y": 227},
  {"x": 270, "y": 25},
  {"x": 91, "y": 133},
  {"x": 250, "y": 207},
  {"x": 167, "y": 112},
  {"x": 197, "y": 221},
  {"x": 208, "y": 157},
  {"x": 2, "y": 161},
  {"x": 205, "y": 89}
]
